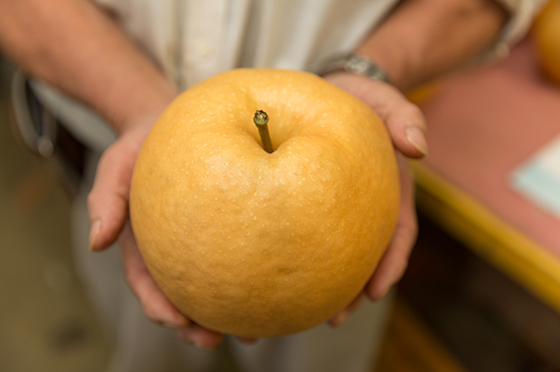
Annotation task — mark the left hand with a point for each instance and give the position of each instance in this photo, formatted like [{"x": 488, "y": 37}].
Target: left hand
[{"x": 406, "y": 125}]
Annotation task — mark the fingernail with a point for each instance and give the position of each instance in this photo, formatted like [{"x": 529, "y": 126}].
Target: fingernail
[
  {"x": 187, "y": 337},
  {"x": 417, "y": 138},
  {"x": 198, "y": 344},
  {"x": 94, "y": 233},
  {"x": 378, "y": 294},
  {"x": 339, "y": 319}
]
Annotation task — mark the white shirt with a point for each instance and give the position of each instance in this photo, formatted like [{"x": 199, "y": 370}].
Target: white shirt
[{"x": 192, "y": 40}]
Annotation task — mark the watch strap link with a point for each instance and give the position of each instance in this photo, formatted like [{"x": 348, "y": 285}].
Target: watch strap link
[{"x": 360, "y": 65}]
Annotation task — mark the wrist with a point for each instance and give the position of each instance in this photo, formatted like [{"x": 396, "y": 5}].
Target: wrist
[
  {"x": 390, "y": 59},
  {"x": 392, "y": 49},
  {"x": 139, "y": 102},
  {"x": 423, "y": 39}
]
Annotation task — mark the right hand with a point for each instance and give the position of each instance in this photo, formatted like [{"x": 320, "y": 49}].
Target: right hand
[{"x": 406, "y": 125}]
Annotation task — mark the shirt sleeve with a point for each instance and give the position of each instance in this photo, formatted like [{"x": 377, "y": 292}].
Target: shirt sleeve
[{"x": 522, "y": 13}]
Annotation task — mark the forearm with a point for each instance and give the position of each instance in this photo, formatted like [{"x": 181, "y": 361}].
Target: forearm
[
  {"x": 424, "y": 38},
  {"x": 76, "y": 47}
]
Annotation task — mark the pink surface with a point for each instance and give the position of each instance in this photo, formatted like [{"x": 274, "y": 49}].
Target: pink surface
[{"x": 484, "y": 124}]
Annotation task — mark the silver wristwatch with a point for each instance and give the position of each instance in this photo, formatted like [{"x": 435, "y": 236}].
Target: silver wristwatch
[{"x": 360, "y": 65}]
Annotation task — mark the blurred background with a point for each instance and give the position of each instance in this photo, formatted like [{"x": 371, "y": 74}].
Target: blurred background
[
  {"x": 457, "y": 310},
  {"x": 46, "y": 323}
]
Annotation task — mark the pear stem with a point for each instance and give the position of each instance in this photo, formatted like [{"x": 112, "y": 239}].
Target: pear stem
[{"x": 261, "y": 121}]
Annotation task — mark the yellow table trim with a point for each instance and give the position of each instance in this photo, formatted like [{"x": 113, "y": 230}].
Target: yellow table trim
[{"x": 488, "y": 236}]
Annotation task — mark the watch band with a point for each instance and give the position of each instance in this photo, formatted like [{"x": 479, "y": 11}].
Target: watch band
[{"x": 360, "y": 65}]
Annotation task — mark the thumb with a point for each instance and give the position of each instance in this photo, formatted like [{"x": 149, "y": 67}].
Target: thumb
[
  {"x": 405, "y": 122},
  {"x": 108, "y": 199}
]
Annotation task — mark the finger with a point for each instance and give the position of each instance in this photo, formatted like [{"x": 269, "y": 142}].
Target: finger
[
  {"x": 407, "y": 127},
  {"x": 395, "y": 260},
  {"x": 157, "y": 307},
  {"x": 392, "y": 267},
  {"x": 404, "y": 120},
  {"x": 108, "y": 199},
  {"x": 343, "y": 315},
  {"x": 200, "y": 337}
]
